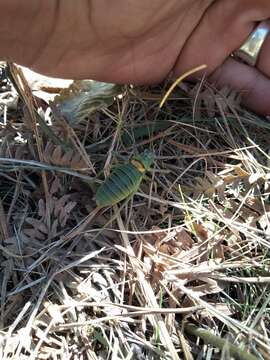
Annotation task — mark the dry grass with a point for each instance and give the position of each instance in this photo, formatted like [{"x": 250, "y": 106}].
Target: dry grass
[{"x": 180, "y": 271}]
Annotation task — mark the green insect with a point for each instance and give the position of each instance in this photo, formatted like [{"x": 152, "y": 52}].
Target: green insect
[{"x": 124, "y": 180}]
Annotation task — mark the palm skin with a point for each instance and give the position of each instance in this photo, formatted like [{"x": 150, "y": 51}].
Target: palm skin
[
  {"x": 118, "y": 41},
  {"x": 138, "y": 41}
]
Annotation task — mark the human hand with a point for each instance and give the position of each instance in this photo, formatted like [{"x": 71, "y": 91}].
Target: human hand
[{"x": 134, "y": 41}]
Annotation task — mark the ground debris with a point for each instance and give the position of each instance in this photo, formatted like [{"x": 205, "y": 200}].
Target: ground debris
[{"x": 190, "y": 247}]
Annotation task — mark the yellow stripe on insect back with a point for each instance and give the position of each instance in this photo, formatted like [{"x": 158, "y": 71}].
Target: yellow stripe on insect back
[{"x": 138, "y": 165}]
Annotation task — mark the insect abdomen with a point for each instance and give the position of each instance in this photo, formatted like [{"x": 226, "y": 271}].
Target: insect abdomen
[{"x": 123, "y": 181}]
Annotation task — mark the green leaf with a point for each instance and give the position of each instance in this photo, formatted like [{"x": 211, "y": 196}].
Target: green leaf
[{"x": 144, "y": 131}]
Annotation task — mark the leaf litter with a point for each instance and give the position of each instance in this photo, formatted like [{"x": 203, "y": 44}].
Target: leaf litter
[{"x": 180, "y": 271}]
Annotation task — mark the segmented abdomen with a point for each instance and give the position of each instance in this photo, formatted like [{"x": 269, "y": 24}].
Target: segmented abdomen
[{"x": 122, "y": 182}]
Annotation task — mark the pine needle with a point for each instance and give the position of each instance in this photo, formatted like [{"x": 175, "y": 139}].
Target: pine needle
[{"x": 179, "y": 80}]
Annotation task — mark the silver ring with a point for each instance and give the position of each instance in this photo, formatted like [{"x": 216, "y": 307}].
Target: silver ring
[{"x": 250, "y": 50}]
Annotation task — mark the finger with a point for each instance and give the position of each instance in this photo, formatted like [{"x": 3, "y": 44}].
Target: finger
[
  {"x": 224, "y": 28},
  {"x": 253, "y": 86},
  {"x": 219, "y": 33}
]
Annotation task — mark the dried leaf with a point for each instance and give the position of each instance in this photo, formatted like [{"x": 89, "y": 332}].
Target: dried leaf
[
  {"x": 70, "y": 158},
  {"x": 54, "y": 312},
  {"x": 57, "y": 155},
  {"x": 34, "y": 233},
  {"x": 84, "y": 97},
  {"x": 216, "y": 184},
  {"x": 209, "y": 287},
  {"x": 200, "y": 231},
  {"x": 184, "y": 240},
  {"x": 41, "y": 208},
  {"x": 55, "y": 186},
  {"x": 221, "y": 307},
  {"x": 37, "y": 224}
]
